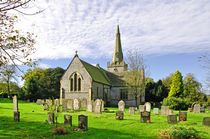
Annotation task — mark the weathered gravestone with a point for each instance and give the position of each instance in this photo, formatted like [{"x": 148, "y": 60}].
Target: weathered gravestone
[
  {"x": 131, "y": 110},
  {"x": 148, "y": 106},
  {"x": 76, "y": 104},
  {"x": 121, "y": 106},
  {"x": 102, "y": 105},
  {"x": 69, "y": 104},
  {"x": 64, "y": 105},
  {"x": 84, "y": 103},
  {"x": 172, "y": 119},
  {"x": 39, "y": 101},
  {"x": 83, "y": 122},
  {"x": 119, "y": 115},
  {"x": 67, "y": 120},
  {"x": 164, "y": 110},
  {"x": 182, "y": 116},
  {"x": 156, "y": 111},
  {"x": 197, "y": 108},
  {"x": 15, "y": 109},
  {"x": 89, "y": 106},
  {"x": 50, "y": 118},
  {"x": 141, "y": 108},
  {"x": 145, "y": 117},
  {"x": 206, "y": 121},
  {"x": 97, "y": 107},
  {"x": 202, "y": 110}
]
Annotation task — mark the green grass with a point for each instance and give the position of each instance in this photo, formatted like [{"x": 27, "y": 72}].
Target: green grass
[{"x": 33, "y": 124}]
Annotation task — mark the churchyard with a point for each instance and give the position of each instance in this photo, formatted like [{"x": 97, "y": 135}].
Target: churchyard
[{"x": 34, "y": 123}]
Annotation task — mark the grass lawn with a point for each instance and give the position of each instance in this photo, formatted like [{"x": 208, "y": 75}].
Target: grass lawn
[{"x": 33, "y": 124}]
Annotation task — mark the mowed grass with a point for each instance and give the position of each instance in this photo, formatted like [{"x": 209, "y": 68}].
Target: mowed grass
[{"x": 33, "y": 124}]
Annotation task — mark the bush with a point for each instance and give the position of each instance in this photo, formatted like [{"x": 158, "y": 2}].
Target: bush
[
  {"x": 179, "y": 133},
  {"x": 176, "y": 103}
]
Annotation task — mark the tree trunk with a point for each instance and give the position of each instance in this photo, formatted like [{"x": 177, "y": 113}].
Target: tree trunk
[{"x": 8, "y": 88}]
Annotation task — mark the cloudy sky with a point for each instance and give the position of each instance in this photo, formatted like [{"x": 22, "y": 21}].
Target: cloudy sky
[{"x": 171, "y": 34}]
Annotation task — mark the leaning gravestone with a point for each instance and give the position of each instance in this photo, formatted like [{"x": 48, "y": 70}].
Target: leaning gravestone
[
  {"x": 119, "y": 115},
  {"x": 206, "y": 121},
  {"x": 164, "y": 110},
  {"x": 83, "y": 122},
  {"x": 182, "y": 116},
  {"x": 131, "y": 110},
  {"x": 84, "y": 103},
  {"x": 69, "y": 104},
  {"x": 67, "y": 120},
  {"x": 121, "y": 106},
  {"x": 172, "y": 119},
  {"x": 148, "y": 106},
  {"x": 197, "y": 108},
  {"x": 89, "y": 106},
  {"x": 156, "y": 111},
  {"x": 97, "y": 107},
  {"x": 15, "y": 109},
  {"x": 145, "y": 117},
  {"x": 76, "y": 104}
]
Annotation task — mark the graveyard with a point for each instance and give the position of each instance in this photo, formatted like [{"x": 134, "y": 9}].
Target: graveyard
[{"x": 34, "y": 123}]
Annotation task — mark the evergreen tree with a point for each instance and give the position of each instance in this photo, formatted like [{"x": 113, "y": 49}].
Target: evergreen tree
[{"x": 177, "y": 86}]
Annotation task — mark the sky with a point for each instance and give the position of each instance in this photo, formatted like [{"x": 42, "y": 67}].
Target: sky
[{"x": 170, "y": 34}]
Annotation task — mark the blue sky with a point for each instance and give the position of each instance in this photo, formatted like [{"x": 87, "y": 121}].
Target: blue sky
[{"x": 171, "y": 34}]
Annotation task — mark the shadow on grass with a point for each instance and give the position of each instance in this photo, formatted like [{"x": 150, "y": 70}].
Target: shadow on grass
[{"x": 25, "y": 129}]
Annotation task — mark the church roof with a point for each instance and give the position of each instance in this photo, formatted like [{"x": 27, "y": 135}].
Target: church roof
[{"x": 98, "y": 74}]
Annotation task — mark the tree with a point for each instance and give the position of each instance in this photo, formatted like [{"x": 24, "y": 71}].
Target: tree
[
  {"x": 167, "y": 82},
  {"x": 135, "y": 77},
  {"x": 177, "y": 86}
]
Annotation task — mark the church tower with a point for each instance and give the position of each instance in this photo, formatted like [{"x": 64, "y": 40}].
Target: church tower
[{"x": 118, "y": 64}]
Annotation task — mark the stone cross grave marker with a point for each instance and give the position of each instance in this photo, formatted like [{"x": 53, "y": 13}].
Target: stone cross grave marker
[
  {"x": 83, "y": 122},
  {"x": 121, "y": 106},
  {"x": 148, "y": 106},
  {"x": 76, "y": 104},
  {"x": 197, "y": 108},
  {"x": 156, "y": 111},
  {"x": 89, "y": 106},
  {"x": 97, "y": 108},
  {"x": 164, "y": 110},
  {"x": 131, "y": 110}
]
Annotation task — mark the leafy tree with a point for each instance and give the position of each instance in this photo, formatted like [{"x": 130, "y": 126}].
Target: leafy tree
[
  {"x": 135, "y": 79},
  {"x": 177, "y": 86},
  {"x": 167, "y": 82}
]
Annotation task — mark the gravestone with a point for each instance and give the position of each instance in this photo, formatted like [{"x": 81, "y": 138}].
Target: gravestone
[
  {"x": 206, "y": 121},
  {"x": 67, "y": 120},
  {"x": 131, "y": 110},
  {"x": 141, "y": 108},
  {"x": 69, "y": 104},
  {"x": 197, "y": 108},
  {"x": 202, "y": 110},
  {"x": 76, "y": 104},
  {"x": 84, "y": 103},
  {"x": 83, "y": 122},
  {"x": 64, "y": 105},
  {"x": 50, "y": 118},
  {"x": 97, "y": 107},
  {"x": 15, "y": 109},
  {"x": 119, "y": 115},
  {"x": 148, "y": 106},
  {"x": 39, "y": 101},
  {"x": 182, "y": 116},
  {"x": 89, "y": 106},
  {"x": 164, "y": 110},
  {"x": 102, "y": 105},
  {"x": 170, "y": 112},
  {"x": 156, "y": 111},
  {"x": 172, "y": 119},
  {"x": 145, "y": 117},
  {"x": 121, "y": 106}
]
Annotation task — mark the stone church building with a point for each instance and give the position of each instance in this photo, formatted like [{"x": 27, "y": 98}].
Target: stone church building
[{"x": 82, "y": 80}]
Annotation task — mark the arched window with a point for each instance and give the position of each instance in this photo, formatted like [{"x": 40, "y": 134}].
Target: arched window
[
  {"x": 75, "y": 82},
  {"x": 79, "y": 84},
  {"x": 71, "y": 82}
]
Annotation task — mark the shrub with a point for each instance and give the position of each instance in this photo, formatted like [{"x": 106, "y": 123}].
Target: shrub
[{"x": 176, "y": 103}]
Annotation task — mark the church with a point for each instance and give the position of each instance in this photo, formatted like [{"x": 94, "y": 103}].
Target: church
[{"x": 82, "y": 80}]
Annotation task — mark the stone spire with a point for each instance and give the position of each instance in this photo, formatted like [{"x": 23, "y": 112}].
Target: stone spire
[{"x": 117, "y": 55}]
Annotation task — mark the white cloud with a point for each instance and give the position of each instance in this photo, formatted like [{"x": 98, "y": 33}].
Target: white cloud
[
  {"x": 157, "y": 27},
  {"x": 44, "y": 66}
]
